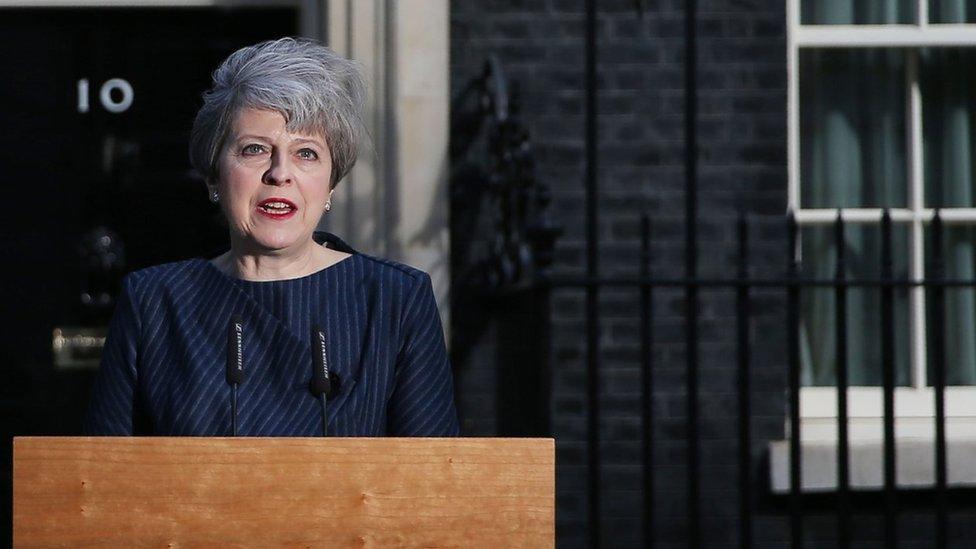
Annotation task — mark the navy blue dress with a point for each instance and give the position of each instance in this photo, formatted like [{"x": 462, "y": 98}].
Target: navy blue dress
[{"x": 163, "y": 369}]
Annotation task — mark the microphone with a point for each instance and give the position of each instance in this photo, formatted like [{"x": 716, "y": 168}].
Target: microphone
[
  {"x": 235, "y": 363},
  {"x": 323, "y": 383}
]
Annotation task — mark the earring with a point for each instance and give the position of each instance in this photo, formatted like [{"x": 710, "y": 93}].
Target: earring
[
  {"x": 328, "y": 206},
  {"x": 214, "y": 196}
]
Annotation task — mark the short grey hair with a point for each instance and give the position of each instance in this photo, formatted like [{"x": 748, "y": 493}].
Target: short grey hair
[{"x": 316, "y": 90}]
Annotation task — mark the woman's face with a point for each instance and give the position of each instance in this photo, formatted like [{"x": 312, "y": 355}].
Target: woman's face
[{"x": 273, "y": 184}]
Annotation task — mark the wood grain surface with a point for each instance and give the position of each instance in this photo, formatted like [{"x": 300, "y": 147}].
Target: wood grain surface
[{"x": 300, "y": 492}]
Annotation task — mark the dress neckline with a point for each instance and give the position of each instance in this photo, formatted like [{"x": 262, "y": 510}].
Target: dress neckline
[
  {"x": 322, "y": 238},
  {"x": 315, "y": 274}
]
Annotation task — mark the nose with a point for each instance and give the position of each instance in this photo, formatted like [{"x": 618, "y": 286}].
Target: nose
[{"x": 280, "y": 171}]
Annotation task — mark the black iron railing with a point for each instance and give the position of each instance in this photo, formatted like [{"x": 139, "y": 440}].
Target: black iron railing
[{"x": 793, "y": 284}]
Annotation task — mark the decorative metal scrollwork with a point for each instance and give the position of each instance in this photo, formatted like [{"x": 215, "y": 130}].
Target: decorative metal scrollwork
[{"x": 496, "y": 190}]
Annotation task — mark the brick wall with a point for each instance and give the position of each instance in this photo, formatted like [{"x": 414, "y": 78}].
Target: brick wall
[{"x": 742, "y": 99}]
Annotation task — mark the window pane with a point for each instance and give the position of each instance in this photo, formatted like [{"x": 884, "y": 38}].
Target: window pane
[
  {"x": 952, "y": 11},
  {"x": 857, "y": 12},
  {"x": 949, "y": 103},
  {"x": 959, "y": 324},
  {"x": 852, "y": 128},
  {"x": 818, "y": 344}
]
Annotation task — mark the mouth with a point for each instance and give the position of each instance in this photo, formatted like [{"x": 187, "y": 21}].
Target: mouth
[{"x": 276, "y": 208}]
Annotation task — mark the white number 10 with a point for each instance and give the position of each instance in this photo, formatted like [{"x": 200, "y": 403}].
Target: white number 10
[{"x": 105, "y": 95}]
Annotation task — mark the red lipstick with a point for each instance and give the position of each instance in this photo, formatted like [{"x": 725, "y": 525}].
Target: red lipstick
[{"x": 276, "y": 208}]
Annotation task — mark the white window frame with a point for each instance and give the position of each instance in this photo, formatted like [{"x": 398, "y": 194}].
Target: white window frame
[{"x": 914, "y": 406}]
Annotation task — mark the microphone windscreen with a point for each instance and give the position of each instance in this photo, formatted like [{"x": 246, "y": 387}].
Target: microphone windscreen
[
  {"x": 320, "y": 383},
  {"x": 235, "y": 350}
]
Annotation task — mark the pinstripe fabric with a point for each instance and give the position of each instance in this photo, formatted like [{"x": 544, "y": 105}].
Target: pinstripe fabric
[{"x": 163, "y": 367}]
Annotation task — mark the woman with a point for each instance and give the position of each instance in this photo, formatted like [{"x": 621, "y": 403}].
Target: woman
[{"x": 277, "y": 132}]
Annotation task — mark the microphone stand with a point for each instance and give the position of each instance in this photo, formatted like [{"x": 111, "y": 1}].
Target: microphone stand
[{"x": 325, "y": 416}]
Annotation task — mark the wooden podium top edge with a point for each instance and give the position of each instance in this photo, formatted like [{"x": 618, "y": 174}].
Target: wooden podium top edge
[
  {"x": 28, "y": 443},
  {"x": 252, "y": 439}
]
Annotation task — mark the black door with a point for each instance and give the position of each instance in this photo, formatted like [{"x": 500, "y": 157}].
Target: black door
[{"x": 95, "y": 109}]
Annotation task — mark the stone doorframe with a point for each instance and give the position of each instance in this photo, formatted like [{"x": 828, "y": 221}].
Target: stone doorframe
[{"x": 394, "y": 204}]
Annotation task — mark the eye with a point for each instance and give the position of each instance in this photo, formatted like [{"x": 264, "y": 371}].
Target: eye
[
  {"x": 252, "y": 149},
  {"x": 308, "y": 154}
]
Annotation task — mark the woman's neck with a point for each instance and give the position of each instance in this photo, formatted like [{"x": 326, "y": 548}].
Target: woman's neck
[{"x": 255, "y": 265}]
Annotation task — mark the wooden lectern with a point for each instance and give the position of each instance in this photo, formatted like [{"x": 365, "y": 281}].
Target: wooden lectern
[{"x": 304, "y": 492}]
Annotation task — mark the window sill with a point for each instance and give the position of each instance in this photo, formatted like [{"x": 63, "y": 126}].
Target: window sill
[{"x": 915, "y": 463}]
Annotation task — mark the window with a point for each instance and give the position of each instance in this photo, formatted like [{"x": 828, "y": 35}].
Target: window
[{"x": 882, "y": 114}]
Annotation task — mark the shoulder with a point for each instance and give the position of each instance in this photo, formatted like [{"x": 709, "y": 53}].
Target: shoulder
[
  {"x": 151, "y": 280},
  {"x": 377, "y": 270},
  {"x": 397, "y": 283}
]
